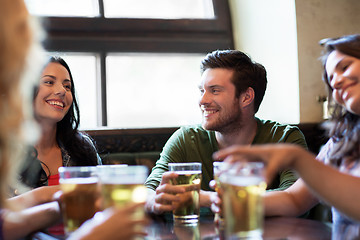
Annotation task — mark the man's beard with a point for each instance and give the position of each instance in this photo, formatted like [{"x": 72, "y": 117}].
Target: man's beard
[{"x": 228, "y": 123}]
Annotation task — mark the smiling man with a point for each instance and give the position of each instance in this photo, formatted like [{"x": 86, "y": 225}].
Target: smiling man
[{"x": 232, "y": 87}]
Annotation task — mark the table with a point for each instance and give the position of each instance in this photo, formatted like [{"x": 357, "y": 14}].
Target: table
[{"x": 275, "y": 228}]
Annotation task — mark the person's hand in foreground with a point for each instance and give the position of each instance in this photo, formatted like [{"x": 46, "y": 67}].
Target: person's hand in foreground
[
  {"x": 216, "y": 202},
  {"x": 275, "y": 156},
  {"x": 18, "y": 224},
  {"x": 113, "y": 224}
]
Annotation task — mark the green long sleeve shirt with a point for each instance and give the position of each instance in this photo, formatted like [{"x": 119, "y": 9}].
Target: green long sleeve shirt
[{"x": 194, "y": 144}]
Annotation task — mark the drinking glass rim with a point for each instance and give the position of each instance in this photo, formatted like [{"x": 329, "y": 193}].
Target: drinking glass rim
[
  {"x": 245, "y": 163},
  {"x": 219, "y": 163},
  {"x": 133, "y": 174},
  {"x": 185, "y": 164},
  {"x": 112, "y": 165},
  {"x": 122, "y": 168},
  {"x": 77, "y": 168}
]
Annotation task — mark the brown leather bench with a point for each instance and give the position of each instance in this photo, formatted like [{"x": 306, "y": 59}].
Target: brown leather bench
[{"x": 143, "y": 146}]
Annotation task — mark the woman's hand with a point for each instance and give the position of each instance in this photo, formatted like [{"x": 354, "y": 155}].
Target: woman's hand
[
  {"x": 33, "y": 197},
  {"x": 216, "y": 201},
  {"x": 113, "y": 224},
  {"x": 275, "y": 156}
]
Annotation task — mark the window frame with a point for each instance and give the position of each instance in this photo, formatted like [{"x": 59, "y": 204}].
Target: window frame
[{"x": 102, "y": 35}]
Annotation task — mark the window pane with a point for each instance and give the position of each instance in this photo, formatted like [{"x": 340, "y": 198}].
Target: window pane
[
  {"x": 153, "y": 90},
  {"x": 68, "y": 8},
  {"x": 168, "y": 9},
  {"x": 83, "y": 70}
]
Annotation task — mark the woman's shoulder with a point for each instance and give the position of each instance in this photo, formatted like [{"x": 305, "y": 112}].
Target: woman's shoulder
[
  {"x": 84, "y": 138},
  {"x": 324, "y": 154}
]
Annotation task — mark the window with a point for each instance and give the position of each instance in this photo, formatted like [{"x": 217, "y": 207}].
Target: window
[
  {"x": 155, "y": 55},
  {"x": 85, "y": 86},
  {"x": 63, "y": 8},
  {"x": 152, "y": 90},
  {"x": 161, "y": 9}
]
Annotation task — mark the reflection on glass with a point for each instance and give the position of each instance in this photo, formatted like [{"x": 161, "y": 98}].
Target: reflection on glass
[
  {"x": 167, "y": 9},
  {"x": 153, "y": 90},
  {"x": 63, "y": 8},
  {"x": 188, "y": 232}
]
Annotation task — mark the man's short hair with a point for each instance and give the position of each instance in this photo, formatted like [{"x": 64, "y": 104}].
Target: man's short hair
[{"x": 247, "y": 73}]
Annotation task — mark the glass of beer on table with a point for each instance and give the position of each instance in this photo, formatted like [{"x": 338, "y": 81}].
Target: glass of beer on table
[
  {"x": 189, "y": 176},
  {"x": 121, "y": 185},
  {"x": 219, "y": 168},
  {"x": 243, "y": 185},
  {"x": 79, "y": 195}
]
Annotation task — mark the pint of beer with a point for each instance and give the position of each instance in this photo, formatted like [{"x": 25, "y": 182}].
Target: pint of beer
[
  {"x": 219, "y": 168},
  {"x": 189, "y": 176},
  {"x": 79, "y": 194},
  {"x": 243, "y": 186},
  {"x": 121, "y": 185}
]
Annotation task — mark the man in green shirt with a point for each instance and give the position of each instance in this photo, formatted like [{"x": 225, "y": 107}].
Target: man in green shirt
[{"x": 232, "y": 87}]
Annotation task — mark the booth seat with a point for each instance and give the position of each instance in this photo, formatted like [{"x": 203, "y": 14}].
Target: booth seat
[{"x": 143, "y": 146}]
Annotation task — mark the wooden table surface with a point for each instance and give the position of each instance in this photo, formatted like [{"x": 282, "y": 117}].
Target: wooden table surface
[{"x": 274, "y": 228}]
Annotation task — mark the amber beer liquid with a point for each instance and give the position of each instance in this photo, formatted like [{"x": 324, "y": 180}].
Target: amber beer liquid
[
  {"x": 188, "y": 208},
  {"x": 243, "y": 205},
  {"x": 117, "y": 194},
  {"x": 217, "y": 170},
  {"x": 121, "y": 185},
  {"x": 219, "y": 216},
  {"x": 78, "y": 201}
]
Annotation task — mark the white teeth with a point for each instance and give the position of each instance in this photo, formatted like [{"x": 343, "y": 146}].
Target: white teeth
[
  {"x": 209, "y": 112},
  {"x": 56, "y": 103}
]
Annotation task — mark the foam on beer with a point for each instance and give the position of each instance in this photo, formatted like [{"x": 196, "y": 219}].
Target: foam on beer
[
  {"x": 88, "y": 180},
  {"x": 187, "y": 172},
  {"x": 241, "y": 180},
  {"x": 124, "y": 180}
]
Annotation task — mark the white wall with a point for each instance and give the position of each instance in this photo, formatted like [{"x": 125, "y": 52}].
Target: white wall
[
  {"x": 283, "y": 35},
  {"x": 266, "y": 30},
  {"x": 318, "y": 19}
]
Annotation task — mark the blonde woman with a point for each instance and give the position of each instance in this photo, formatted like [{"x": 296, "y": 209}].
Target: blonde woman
[{"x": 16, "y": 43}]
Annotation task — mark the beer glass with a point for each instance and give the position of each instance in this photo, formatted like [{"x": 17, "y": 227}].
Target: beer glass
[
  {"x": 218, "y": 169},
  {"x": 121, "y": 185},
  {"x": 187, "y": 209},
  {"x": 79, "y": 195},
  {"x": 243, "y": 185}
]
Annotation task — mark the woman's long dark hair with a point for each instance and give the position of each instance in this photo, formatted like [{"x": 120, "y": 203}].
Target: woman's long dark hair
[
  {"x": 344, "y": 127},
  {"x": 76, "y": 143}
]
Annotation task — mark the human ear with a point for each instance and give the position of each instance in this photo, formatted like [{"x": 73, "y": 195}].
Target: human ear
[{"x": 247, "y": 97}]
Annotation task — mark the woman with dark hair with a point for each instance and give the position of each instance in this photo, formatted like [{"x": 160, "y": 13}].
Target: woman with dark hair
[
  {"x": 60, "y": 143},
  {"x": 334, "y": 175}
]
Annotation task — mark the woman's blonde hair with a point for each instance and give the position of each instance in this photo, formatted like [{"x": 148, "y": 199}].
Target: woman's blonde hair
[{"x": 15, "y": 41}]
